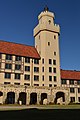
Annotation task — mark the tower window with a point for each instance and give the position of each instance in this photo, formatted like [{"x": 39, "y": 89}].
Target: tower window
[
  {"x": 48, "y": 43},
  {"x": 55, "y": 53},
  {"x": 54, "y": 70},
  {"x": 43, "y": 60},
  {"x": 54, "y": 62},
  {"x": 49, "y": 21},
  {"x": 50, "y": 85},
  {"x": 50, "y": 78},
  {"x": 54, "y": 36},
  {"x": 43, "y": 77},
  {"x": 50, "y": 61},
  {"x": 55, "y": 79},
  {"x": 50, "y": 69}
]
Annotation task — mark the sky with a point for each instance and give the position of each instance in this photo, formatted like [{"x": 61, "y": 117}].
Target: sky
[{"x": 19, "y": 17}]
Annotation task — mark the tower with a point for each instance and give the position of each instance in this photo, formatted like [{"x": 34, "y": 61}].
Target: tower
[{"x": 46, "y": 35}]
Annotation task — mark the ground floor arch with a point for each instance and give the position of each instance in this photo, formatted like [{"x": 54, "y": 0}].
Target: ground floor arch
[
  {"x": 22, "y": 98},
  {"x": 58, "y": 95},
  {"x": 10, "y": 98},
  {"x": 33, "y": 98},
  {"x": 43, "y": 96}
]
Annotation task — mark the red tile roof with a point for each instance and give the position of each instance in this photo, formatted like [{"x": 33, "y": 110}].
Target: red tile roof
[
  {"x": 70, "y": 74},
  {"x": 18, "y": 49}
]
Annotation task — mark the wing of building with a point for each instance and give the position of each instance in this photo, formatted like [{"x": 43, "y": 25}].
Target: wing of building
[{"x": 31, "y": 74}]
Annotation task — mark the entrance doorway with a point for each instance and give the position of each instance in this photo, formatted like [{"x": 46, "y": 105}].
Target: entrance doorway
[
  {"x": 59, "y": 95},
  {"x": 33, "y": 98}
]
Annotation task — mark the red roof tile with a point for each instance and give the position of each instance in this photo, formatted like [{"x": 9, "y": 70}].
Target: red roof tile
[
  {"x": 18, "y": 49},
  {"x": 70, "y": 74}
]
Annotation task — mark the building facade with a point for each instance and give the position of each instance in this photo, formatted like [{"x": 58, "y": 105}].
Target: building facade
[{"x": 31, "y": 74}]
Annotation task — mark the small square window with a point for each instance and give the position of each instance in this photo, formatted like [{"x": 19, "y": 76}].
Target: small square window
[{"x": 50, "y": 85}]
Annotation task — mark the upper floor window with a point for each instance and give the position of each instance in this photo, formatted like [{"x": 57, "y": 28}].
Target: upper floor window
[
  {"x": 27, "y": 77},
  {"x": 8, "y": 66},
  {"x": 50, "y": 78},
  {"x": 50, "y": 69},
  {"x": 18, "y": 58},
  {"x": 36, "y": 61},
  {"x": 50, "y": 61},
  {"x": 17, "y": 76},
  {"x": 8, "y": 75},
  {"x": 55, "y": 78},
  {"x": 71, "y": 82},
  {"x": 54, "y": 62},
  {"x": 63, "y": 81},
  {"x": 36, "y": 78},
  {"x": 54, "y": 36},
  {"x": 48, "y": 43},
  {"x": 78, "y": 82},
  {"x": 54, "y": 53},
  {"x": 50, "y": 85},
  {"x": 72, "y": 90},
  {"x": 43, "y": 61},
  {"x": 49, "y": 21},
  {"x": 42, "y": 69},
  {"x": 16, "y": 83},
  {"x": 78, "y": 90},
  {"x": 54, "y": 70},
  {"x": 36, "y": 69},
  {"x": 0, "y": 55},
  {"x": 43, "y": 77},
  {"x": 8, "y": 57},
  {"x": 6, "y": 83},
  {"x": 27, "y": 68},
  {"x": 17, "y": 67},
  {"x": 27, "y": 60}
]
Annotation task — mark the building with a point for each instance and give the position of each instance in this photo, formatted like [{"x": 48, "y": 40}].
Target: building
[{"x": 31, "y": 74}]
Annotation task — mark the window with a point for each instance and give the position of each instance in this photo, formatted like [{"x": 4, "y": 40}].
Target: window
[
  {"x": 78, "y": 90},
  {"x": 17, "y": 76},
  {"x": 54, "y": 36},
  {"x": 8, "y": 66},
  {"x": 48, "y": 43},
  {"x": 50, "y": 85},
  {"x": 42, "y": 84},
  {"x": 55, "y": 85},
  {"x": 6, "y": 83},
  {"x": 63, "y": 81},
  {"x": 54, "y": 70},
  {"x": 8, "y": 57},
  {"x": 18, "y": 58},
  {"x": 78, "y": 82},
  {"x": 49, "y": 21},
  {"x": 8, "y": 75},
  {"x": 36, "y": 69},
  {"x": 55, "y": 78},
  {"x": 0, "y": 55},
  {"x": 27, "y": 77},
  {"x": 27, "y": 68},
  {"x": 50, "y": 61},
  {"x": 43, "y": 77},
  {"x": 54, "y": 53},
  {"x": 50, "y": 78},
  {"x": 36, "y": 61},
  {"x": 72, "y": 99},
  {"x": 42, "y": 69},
  {"x": 27, "y": 60},
  {"x": 17, "y": 67},
  {"x": 36, "y": 84},
  {"x": 79, "y": 99},
  {"x": 71, "y": 82},
  {"x": 16, "y": 83},
  {"x": 72, "y": 90},
  {"x": 54, "y": 62},
  {"x": 50, "y": 69},
  {"x": 36, "y": 78},
  {"x": 27, "y": 84},
  {"x": 43, "y": 61}
]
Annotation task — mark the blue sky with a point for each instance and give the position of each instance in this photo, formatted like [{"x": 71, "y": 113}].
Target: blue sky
[{"x": 19, "y": 17}]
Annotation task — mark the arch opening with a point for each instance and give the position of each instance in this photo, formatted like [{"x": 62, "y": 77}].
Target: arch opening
[
  {"x": 43, "y": 96},
  {"x": 10, "y": 98},
  {"x": 22, "y": 98},
  {"x": 33, "y": 98},
  {"x": 59, "y": 95}
]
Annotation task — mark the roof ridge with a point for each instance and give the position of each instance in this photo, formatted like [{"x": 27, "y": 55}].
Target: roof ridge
[{"x": 17, "y": 43}]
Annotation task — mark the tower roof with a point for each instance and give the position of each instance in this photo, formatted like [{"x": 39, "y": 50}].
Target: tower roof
[{"x": 46, "y": 8}]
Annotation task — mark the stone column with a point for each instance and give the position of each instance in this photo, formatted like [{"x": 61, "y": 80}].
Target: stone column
[
  {"x": 27, "y": 98},
  {"x": 4, "y": 97},
  {"x": 38, "y": 98},
  {"x": 16, "y": 97},
  {"x": 76, "y": 95}
]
